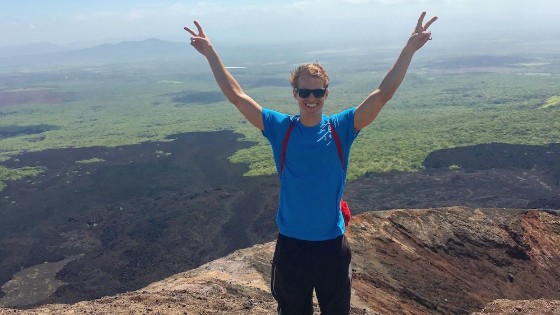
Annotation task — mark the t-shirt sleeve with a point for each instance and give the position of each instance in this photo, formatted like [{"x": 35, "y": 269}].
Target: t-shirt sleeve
[
  {"x": 344, "y": 124},
  {"x": 275, "y": 127}
]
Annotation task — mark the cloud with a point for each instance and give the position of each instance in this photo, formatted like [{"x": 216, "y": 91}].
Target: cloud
[
  {"x": 93, "y": 16},
  {"x": 136, "y": 15},
  {"x": 270, "y": 20},
  {"x": 356, "y": 1}
]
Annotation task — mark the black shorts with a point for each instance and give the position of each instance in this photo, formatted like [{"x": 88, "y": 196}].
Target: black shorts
[{"x": 300, "y": 266}]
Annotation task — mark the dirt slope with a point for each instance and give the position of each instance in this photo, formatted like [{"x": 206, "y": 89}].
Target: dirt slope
[
  {"x": 436, "y": 261},
  {"x": 454, "y": 260},
  {"x": 132, "y": 215}
]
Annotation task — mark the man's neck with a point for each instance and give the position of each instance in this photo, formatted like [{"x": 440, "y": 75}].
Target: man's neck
[{"x": 310, "y": 121}]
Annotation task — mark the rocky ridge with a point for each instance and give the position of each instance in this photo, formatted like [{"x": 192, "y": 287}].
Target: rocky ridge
[{"x": 453, "y": 260}]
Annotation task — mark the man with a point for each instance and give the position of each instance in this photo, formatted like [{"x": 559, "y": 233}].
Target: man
[{"x": 310, "y": 151}]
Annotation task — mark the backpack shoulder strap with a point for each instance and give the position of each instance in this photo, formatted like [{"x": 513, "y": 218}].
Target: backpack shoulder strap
[
  {"x": 338, "y": 145},
  {"x": 285, "y": 145}
]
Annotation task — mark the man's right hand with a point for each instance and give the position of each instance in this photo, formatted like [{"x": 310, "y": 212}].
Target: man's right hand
[{"x": 227, "y": 83}]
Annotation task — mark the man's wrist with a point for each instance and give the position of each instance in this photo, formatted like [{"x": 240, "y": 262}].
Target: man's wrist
[
  {"x": 409, "y": 49},
  {"x": 210, "y": 52}
]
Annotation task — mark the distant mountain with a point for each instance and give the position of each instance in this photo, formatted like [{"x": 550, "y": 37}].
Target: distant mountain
[
  {"x": 127, "y": 51},
  {"x": 30, "y": 49},
  {"x": 131, "y": 50}
]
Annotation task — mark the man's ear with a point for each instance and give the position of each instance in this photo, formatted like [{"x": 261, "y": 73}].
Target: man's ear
[
  {"x": 327, "y": 93},
  {"x": 295, "y": 93}
]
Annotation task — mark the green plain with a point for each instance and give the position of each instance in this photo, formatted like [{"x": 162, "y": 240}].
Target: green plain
[{"x": 437, "y": 107}]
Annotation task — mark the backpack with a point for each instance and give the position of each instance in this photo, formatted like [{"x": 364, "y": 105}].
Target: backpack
[{"x": 344, "y": 208}]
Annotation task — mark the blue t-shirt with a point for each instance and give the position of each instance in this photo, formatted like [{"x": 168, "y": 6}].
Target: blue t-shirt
[{"x": 312, "y": 181}]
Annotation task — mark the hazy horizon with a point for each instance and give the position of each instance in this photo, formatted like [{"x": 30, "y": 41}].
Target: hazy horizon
[{"x": 85, "y": 24}]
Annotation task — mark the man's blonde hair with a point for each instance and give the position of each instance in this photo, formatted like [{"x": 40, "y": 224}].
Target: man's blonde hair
[{"x": 314, "y": 70}]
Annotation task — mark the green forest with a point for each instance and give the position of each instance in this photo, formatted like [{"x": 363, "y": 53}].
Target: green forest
[{"x": 444, "y": 102}]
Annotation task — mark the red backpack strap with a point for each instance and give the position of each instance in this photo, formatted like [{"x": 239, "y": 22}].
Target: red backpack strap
[
  {"x": 344, "y": 208},
  {"x": 338, "y": 145},
  {"x": 285, "y": 145}
]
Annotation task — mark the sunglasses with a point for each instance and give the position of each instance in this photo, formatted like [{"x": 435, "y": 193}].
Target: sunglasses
[{"x": 304, "y": 93}]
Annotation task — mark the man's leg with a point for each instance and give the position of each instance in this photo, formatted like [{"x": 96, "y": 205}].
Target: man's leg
[
  {"x": 291, "y": 279},
  {"x": 334, "y": 277}
]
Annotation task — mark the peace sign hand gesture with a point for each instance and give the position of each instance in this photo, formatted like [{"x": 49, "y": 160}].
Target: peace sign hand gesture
[
  {"x": 421, "y": 35},
  {"x": 199, "y": 41}
]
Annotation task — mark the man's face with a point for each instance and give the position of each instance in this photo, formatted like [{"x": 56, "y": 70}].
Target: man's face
[{"x": 312, "y": 105}]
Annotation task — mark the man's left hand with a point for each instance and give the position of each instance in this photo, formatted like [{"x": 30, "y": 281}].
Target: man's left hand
[{"x": 421, "y": 35}]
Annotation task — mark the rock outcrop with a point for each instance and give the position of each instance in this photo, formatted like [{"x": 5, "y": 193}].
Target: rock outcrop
[{"x": 436, "y": 261}]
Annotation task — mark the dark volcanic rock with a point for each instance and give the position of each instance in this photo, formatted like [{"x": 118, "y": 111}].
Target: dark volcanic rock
[
  {"x": 486, "y": 175},
  {"x": 139, "y": 214},
  {"x": 434, "y": 261},
  {"x": 499, "y": 156},
  {"x": 142, "y": 213}
]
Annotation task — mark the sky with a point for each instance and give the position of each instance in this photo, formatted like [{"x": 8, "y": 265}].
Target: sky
[{"x": 89, "y": 22}]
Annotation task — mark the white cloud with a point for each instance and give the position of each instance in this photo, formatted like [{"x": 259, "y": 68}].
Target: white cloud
[
  {"x": 93, "y": 16},
  {"x": 136, "y": 15},
  {"x": 356, "y": 1},
  {"x": 252, "y": 22}
]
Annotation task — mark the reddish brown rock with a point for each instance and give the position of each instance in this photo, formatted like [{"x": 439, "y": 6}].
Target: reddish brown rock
[{"x": 436, "y": 261}]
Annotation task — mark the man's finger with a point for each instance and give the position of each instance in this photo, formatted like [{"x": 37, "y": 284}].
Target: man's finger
[
  {"x": 420, "y": 19},
  {"x": 200, "y": 30},
  {"x": 189, "y": 30},
  {"x": 432, "y": 20}
]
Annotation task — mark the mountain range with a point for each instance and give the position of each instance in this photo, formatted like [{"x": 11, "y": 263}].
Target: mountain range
[{"x": 47, "y": 54}]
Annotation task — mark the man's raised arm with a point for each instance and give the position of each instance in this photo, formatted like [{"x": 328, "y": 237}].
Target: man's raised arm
[
  {"x": 368, "y": 110},
  {"x": 227, "y": 83}
]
